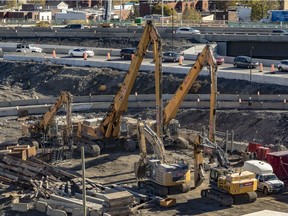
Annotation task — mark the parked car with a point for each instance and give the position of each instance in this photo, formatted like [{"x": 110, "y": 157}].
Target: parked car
[
  {"x": 28, "y": 48},
  {"x": 280, "y": 31},
  {"x": 172, "y": 56},
  {"x": 126, "y": 53},
  {"x": 187, "y": 30},
  {"x": 79, "y": 52},
  {"x": 244, "y": 62},
  {"x": 219, "y": 59},
  {"x": 74, "y": 26},
  {"x": 283, "y": 65}
]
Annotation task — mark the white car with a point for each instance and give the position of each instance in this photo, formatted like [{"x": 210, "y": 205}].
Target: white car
[
  {"x": 187, "y": 30},
  {"x": 79, "y": 52},
  {"x": 28, "y": 48}
]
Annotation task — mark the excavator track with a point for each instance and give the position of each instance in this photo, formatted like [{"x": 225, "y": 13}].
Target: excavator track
[
  {"x": 245, "y": 198},
  {"x": 221, "y": 197},
  {"x": 154, "y": 188}
]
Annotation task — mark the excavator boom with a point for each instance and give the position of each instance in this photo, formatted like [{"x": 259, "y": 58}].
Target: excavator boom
[
  {"x": 110, "y": 126},
  {"x": 205, "y": 58},
  {"x": 65, "y": 98}
]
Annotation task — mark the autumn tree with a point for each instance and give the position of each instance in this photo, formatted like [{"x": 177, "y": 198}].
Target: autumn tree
[{"x": 157, "y": 9}]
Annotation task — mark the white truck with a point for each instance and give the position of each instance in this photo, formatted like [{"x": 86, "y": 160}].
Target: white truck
[
  {"x": 28, "y": 48},
  {"x": 267, "y": 180}
]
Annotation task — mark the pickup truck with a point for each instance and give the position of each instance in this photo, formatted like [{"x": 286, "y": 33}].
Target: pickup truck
[{"x": 28, "y": 48}]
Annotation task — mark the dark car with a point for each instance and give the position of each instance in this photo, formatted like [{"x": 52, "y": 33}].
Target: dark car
[
  {"x": 127, "y": 53},
  {"x": 280, "y": 31},
  {"x": 172, "y": 56},
  {"x": 74, "y": 26},
  {"x": 244, "y": 62}
]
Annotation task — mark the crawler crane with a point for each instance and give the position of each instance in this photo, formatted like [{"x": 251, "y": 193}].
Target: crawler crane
[{"x": 98, "y": 133}]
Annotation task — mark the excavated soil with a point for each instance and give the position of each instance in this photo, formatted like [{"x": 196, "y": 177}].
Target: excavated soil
[{"x": 32, "y": 80}]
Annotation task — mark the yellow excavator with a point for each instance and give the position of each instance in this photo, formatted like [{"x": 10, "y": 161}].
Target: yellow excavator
[
  {"x": 171, "y": 126},
  {"x": 110, "y": 131},
  {"x": 154, "y": 173},
  {"x": 42, "y": 133},
  {"x": 227, "y": 186}
]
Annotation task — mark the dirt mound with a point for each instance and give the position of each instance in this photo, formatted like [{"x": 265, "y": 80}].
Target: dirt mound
[{"x": 31, "y": 80}]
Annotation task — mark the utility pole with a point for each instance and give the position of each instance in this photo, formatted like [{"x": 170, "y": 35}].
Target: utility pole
[{"x": 162, "y": 13}]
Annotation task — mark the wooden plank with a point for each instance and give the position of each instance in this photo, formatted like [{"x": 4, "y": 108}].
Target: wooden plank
[
  {"x": 5, "y": 179},
  {"x": 14, "y": 161},
  {"x": 19, "y": 170},
  {"x": 118, "y": 197},
  {"x": 75, "y": 201},
  {"x": 8, "y": 175},
  {"x": 19, "y": 154}
]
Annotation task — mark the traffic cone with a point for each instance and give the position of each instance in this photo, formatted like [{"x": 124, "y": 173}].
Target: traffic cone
[
  {"x": 180, "y": 60},
  {"x": 272, "y": 69},
  {"x": 261, "y": 67},
  {"x": 85, "y": 56},
  {"x": 108, "y": 56},
  {"x": 54, "y": 53}
]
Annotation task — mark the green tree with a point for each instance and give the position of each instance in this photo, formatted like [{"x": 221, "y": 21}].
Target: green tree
[
  {"x": 190, "y": 14},
  {"x": 157, "y": 9},
  {"x": 133, "y": 13},
  {"x": 41, "y": 2},
  {"x": 260, "y": 8},
  {"x": 11, "y": 4},
  {"x": 223, "y": 5}
]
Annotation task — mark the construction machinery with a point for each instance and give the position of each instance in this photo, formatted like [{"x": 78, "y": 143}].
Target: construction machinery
[
  {"x": 171, "y": 125},
  {"x": 154, "y": 173},
  {"x": 46, "y": 132},
  {"x": 227, "y": 186},
  {"x": 110, "y": 131}
]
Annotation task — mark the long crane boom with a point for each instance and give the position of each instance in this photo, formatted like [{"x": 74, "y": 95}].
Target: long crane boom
[{"x": 110, "y": 126}]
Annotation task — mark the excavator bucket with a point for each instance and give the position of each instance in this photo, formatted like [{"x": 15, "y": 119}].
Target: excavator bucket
[{"x": 139, "y": 170}]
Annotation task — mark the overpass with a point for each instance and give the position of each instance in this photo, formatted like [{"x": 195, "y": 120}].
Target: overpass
[{"x": 231, "y": 41}]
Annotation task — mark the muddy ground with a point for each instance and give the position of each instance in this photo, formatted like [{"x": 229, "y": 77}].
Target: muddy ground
[{"x": 23, "y": 80}]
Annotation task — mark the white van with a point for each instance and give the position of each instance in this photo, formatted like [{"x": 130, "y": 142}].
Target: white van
[{"x": 267, "y": 180}]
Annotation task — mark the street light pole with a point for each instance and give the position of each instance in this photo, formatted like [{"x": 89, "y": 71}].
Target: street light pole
[
  {"x": 251, "y": 54},
  {"x": 172, "y": 28},
  {"x": 162, "y": 13}
]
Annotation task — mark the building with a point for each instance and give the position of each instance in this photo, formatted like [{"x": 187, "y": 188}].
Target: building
[{"x": 57, "y": 6}]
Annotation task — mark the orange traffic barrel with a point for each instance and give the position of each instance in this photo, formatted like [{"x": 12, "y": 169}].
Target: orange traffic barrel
[
  {"x": 261, "y": 67},
  {"x": 54, "y": 53},
  {"x": 272, "y": 69},
  {"x": 108, "y": 56}
]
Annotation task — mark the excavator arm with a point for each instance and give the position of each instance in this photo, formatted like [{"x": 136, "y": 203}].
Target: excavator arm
[
  {"x": 65, "y": 98},
  {"x": 145, "y": 132},
  {"x": 110, "y": 125},
  {"x": 205, "y": 58}
]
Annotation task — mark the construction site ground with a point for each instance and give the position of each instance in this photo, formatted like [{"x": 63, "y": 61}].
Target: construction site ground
[{"x": 32, "y": 80}]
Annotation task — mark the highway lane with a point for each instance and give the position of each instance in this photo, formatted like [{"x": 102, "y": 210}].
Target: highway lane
[{"x": 186, "y": 63}]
